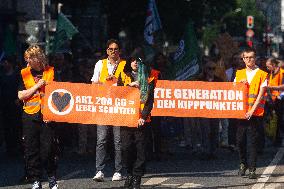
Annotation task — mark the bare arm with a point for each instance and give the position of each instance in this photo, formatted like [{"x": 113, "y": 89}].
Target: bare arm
[
  {"x": 280, "y": 87},
  {"x": 24, "y": 94}
]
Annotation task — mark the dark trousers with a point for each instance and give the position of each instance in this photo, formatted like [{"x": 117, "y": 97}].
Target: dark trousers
[
  {"x": 232, "y": 130},
  {"x": 12, "y": 127},
  {"x": 39, "y": 148},
  {"x": 247, "y": 135},
  {"x": 133, "y": 143}
]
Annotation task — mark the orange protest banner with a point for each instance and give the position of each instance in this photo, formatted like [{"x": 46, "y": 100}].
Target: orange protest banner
[
  {"x": 91, "y": 104},
  {"x": 200, "y": 99}
]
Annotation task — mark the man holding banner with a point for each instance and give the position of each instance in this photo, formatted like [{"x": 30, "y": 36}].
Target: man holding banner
[
  {"x": 256, "y": 81},
  {"x": 106, "y": 72}
]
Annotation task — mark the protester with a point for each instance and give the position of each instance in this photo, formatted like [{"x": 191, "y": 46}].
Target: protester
[
  {"x": 9, "y": 82},
  {"x": 275, "y": 102},
  {"x": 256, "y": 80},
  {"x": 66, "y": 132},
  {"x": 38, "y": 135},
  {"x": 86, "y": 132},
  {"x": 137, "y": 74},
  {"x": 237, "y": 63},
  {"x": 107, "y": 71},
  {"x": 209, "y": 127},
  {"x": 157, "y": 143}
]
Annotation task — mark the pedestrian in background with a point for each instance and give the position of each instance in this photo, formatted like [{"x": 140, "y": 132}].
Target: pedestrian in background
[
  {"x": 9, "y": 81},
  {"x": 209, "y": 127}
]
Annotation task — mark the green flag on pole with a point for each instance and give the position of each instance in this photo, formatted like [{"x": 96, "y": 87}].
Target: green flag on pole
[
  {"x": 65, "y": 30},
  {"x": 186, "y": 64}
]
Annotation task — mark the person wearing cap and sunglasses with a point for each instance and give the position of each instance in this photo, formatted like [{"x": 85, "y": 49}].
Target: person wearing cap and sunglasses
[
  {"x": 38, "y": 136},
  {"x": 137, "y": 74},
  {"x": 106, "y": 72}
]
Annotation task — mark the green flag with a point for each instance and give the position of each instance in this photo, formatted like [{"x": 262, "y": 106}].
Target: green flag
[
  {"x": 186, "y": 64},
  {"x": 65, "y": 30}
]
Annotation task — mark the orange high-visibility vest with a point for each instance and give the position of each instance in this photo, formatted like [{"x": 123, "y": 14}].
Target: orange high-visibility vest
[
  {"x": 153, "y": 76},
  {"x": 104, "y": 72},
  {"x": 276, "y": 80},
  {"x": 33, "y": 104},
  {"x": 254, "y": 89}
]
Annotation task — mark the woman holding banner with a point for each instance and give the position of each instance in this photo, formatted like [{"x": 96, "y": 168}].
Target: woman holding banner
[
  {"x": 38, "y": 136},
  {"x": 133, "y": 140}
]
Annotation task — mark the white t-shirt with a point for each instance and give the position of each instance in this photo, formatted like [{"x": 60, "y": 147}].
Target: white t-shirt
[
  {"x": 98, "y": 69},
  {"x": 250, "y": 76}
]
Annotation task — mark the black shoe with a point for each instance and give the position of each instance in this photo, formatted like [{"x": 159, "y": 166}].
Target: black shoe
[
  {"x": 242, "y": 170},
  {"x": 25, "y": 180},
  {"x": 252, "y": 175},
  {"x": 136, "y": 182},
  {"x": 128, "y": 182}
]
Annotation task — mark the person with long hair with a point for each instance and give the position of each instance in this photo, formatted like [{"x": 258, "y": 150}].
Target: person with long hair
[{"x": 137, "y": 74}]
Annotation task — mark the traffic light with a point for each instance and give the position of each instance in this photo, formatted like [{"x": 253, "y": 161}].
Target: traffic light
[
  {"x": 250, "y": 22},
  {"x": 34, "y": 29}
]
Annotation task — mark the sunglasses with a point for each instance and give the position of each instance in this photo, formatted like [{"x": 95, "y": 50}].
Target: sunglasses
[
  {"x": 113, "y": 49},
  {"x": 248, "y": 57}
]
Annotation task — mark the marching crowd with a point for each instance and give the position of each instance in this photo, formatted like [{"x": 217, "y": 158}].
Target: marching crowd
[{"x": 25, "y": 133}]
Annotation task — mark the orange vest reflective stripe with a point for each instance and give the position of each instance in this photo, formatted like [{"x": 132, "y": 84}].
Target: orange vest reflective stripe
[
  {"x": 275, "y": 80},
  {"x": 104, "y": 72},
  {"x": 254, "y": 89},
  {"x": 33, "y": 104}
]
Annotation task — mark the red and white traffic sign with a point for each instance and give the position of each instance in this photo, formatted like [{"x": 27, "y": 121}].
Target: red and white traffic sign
[{"x": 250, "y": 33}]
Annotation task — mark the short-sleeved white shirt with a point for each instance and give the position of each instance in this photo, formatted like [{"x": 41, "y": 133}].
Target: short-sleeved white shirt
[
  {"x": 250, "y": 76},
  {"x": 98, "y": 69}
]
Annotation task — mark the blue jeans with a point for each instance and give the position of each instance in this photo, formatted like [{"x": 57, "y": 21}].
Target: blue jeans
[{"x": 102, "y": 138}]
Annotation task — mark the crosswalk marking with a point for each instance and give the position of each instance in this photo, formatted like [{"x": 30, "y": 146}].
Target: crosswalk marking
[
  {"x": 155, "y": 181},
  {"x": 269, "y": 170},
  {"x": 191, "y": 185}
]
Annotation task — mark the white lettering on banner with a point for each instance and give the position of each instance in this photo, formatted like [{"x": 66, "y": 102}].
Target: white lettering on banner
[
  {"x": 103, "y": 101},
  {"x": 166, "y": 104},
  {"x": 120, "y": 102},
  {"x": 162, "y": 93},
  {"x": 200, "y": 94},
  {"x": 84, "y": 100},
  {"x": 116, "y": 110},
  {"x": 85, "y": 108},
  {"x": 209, "y": 105}
]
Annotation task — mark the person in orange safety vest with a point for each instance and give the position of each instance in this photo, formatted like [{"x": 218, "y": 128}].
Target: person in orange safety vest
[
  {"x": 256, "y": 80},
  {"x": 106, "y": 72},
  {"x": 275, "y": 92},
  {"x": 38, "y": 135},
  {"x": 133, "y": 140}
]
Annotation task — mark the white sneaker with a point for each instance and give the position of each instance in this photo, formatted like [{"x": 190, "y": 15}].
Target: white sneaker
[
  {"x": 99, "y": 177},
  {"x": 37, "y": 185},
  {"x": 116, "y": 176}
]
